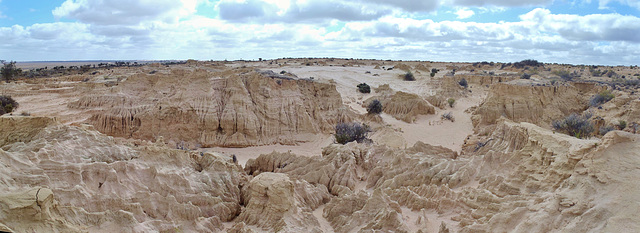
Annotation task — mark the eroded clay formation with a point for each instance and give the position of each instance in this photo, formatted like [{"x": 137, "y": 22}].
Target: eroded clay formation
[{"x": 114, "y": 166}]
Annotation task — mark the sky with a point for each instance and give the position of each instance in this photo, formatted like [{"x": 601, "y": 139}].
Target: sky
[{"x": 598, "y": 32}]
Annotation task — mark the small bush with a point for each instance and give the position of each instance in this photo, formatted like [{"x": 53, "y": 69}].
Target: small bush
[
  {"x": 7, "y": 104},
  {"x": 564, "y": 75},
  {"x": 432, "y": 74},
  {"x": 605, "y": 129},
  {"x": 9, "y": 71},
  {"x": 451, "y": 101},
  {"x": 601, "y": 98},
  {"x": 527, "y": 62},
  {"x": 622, "y": 124},
  {"x": 349, "y": 132},
  {"x": 434, "y": 70},
  {"x": 364, "y": 88},
  {"x": 375, "y": 107},
  {"x": 409, "y": 76},
  {"x": 463, "y": 83},
  {"x": 525, "y": 76},
  {"x": 448, "y": 116},
  {"x": 575, "y": 125}
]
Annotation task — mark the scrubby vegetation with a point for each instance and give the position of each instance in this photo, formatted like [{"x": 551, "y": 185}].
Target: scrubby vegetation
[
  {"x": 451, "y": 102},
  {"x": 525, "y": 76},
  {"x": 527, "y": 62},
  {"x": 566, "y": 75},
  {"x": 7, "y": 104},
  {"x": 364, "y": 88},
  {"x": 448, "y": 116},
  {"x": 605, "y": 129},
  {"x": 375, "y": 107},
  {"x": 409, "y": 76},
  {"x": 9, "y": 71},
  {"x": 601, "y": 98},
  {"x": 622, "y": 124},
  {"x": 349, "y": 132},
  {"x": 575, "y": 125},
  {"x": 463, "y": 83}
]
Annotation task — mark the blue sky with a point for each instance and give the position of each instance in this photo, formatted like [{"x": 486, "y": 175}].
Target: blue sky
[{"x": 577, "y": 32}]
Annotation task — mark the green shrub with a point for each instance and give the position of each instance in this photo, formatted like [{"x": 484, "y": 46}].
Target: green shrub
[
  {"x": 448, "y": 116},
  {"x": 463, "y": 83},
  {"x": 525, "y": 76},
  {"x": 432, "y": 74},
  {"x": 364, "y": 88},
  {"x": 564, "y": 75},
  {"x": 409, "y": 76},
  {"x": 605, "y": 129},
  {"x": 601, "y": 98},
  {"x": 451, "y": 101},
  {"x": 575, "y": 125},
  {"x": 9, "y": 70},
  {"x": 349, "y": 132},
  {"x": 622, "y": 124},
  {"x": 375, "y": 107},
  {"x": 7, "y": 104}
]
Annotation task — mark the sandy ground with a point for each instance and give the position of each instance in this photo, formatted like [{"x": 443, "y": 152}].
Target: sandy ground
[
  {"x": 429, "y": 129},
  {"x": 311, "y": 148}
]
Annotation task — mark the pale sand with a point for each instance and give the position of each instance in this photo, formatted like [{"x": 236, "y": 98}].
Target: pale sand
[
  {"x": 428, "y": 129},
  {"x": 311, "y": 148}
]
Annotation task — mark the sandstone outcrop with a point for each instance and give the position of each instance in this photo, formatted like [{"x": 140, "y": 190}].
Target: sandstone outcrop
[
  {"x": 69, "y": 179},
  {"x": 401, "y": 105},
  {"x": 274, "y": 202},
  {"x": 552, "y": 182},
  {"x": 235, "y": 108},
  {"x": 535, "y": 104}
]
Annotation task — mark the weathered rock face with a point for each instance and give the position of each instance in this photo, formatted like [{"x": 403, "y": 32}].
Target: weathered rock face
[
  {"x": 401, "y": 105},
  {"x": 276, "y": 203},
  {"x": 524, "y": 179},
  {"x": 69, "y": 179},
  {"x": 535, "y": 104},
  {"x": 235, "y": 108}
]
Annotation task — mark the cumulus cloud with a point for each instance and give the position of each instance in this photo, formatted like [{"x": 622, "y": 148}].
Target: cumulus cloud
[
  {"x": 409, "y": 5},
  {"x": 123, "y": 12},
  {"x": 595, "y": 27},
  {"x": 310, "y": 11},
  {"x": 464, "y": 13},
  {"x": 506, "y": 3},
  {"x": 300, "y": 28}
]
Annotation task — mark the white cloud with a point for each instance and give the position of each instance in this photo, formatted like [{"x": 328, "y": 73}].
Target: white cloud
[
  {"x": 297, "y": 11},
  {"x": 124, "y": 12},
  {"x": 506, "y": 3},
  {"x": 464, "y": 13},
  {"x": 595, "y": 27},
  {"x": 409, "y": 5},
  {"x": 302, "y": 28}
]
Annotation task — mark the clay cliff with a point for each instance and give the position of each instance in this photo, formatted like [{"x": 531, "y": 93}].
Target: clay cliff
[
  {"x": 401, "y": 105},
  {"x": 232, "y": 108},
  {"x": 551, "y": 182},
  {"x": 538, "y": 104},
  {"x": 59, "y": 178}
]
